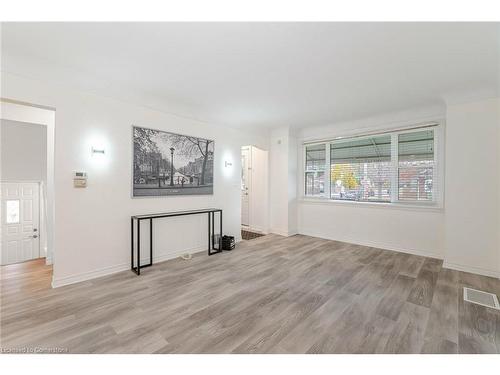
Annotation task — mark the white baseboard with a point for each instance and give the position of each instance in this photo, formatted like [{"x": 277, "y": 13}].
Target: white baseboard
[
  {"x": 172, "y": 254},
  {"x": 58, "y": 282},
  {"x": 283, "y": 232},
  {"x": 475, "y": 270},
  {"x": 279, "y": 232},
  {"x": 376, "y": 244},
  {"x": 105, "y": 271}
]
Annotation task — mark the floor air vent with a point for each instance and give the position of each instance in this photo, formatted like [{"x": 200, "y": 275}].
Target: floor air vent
[{"x": 481, "y": 298}]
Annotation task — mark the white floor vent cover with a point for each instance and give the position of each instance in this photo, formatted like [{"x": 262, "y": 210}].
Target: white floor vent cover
[{"x": 481, "y": 298}]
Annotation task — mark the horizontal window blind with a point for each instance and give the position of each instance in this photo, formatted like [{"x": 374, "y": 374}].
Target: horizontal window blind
[
  {"x": 416, "y": 166},
  {"x": 387, "y": 167},
  {"x": 315, "y": 170},
  {"x": 315, "y": 157},
  {"x": 361, "y": 169}
]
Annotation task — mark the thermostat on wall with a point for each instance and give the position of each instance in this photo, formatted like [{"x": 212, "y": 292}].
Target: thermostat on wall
[{"x": 80, "y": 179}]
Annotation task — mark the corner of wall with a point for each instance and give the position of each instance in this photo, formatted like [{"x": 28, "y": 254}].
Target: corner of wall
[
  {"x": 472, "y": 223},
  {"x": 283, "y": 181}
]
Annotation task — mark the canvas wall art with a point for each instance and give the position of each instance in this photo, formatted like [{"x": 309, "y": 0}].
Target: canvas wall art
[{"x": 171, "y": 164}]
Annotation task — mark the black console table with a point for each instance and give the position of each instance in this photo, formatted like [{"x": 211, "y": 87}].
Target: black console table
[{"x": 138, "y": 218}]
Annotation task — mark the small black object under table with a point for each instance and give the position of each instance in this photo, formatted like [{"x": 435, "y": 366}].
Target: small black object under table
[{"x": 138, "y": 218}]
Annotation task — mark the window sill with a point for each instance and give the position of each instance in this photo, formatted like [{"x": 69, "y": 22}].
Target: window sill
[{"x": 392, "y": 206}]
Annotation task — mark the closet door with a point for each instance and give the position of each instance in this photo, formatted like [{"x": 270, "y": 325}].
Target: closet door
[{"x": 259, "y": 192}]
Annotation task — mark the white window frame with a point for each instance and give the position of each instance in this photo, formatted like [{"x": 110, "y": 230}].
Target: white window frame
[
  {"x": 326, "y": 192},
  {"x": 438, "y": 169}
]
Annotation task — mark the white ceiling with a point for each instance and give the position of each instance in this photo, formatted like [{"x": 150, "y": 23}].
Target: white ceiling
[{"x": 262, "y": 74}]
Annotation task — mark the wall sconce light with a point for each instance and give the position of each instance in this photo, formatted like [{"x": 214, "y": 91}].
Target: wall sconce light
[
  {"x": 98, "y": 151},
  {"x": 228, "y": 164}
]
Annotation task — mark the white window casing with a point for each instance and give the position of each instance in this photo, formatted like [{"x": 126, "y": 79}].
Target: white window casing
[{"x": 371, "y": 171}]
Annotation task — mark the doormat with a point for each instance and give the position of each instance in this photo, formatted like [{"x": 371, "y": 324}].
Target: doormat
[{"x": 247, "y": 235}]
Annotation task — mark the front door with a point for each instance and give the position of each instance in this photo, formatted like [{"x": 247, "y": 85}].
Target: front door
[
  {"x": 20, "y": 234},
  {"x": 245, "y": 199}
]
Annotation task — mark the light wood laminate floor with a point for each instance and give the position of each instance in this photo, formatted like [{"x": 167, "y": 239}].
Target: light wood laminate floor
[{"x": 270, "y": 295}]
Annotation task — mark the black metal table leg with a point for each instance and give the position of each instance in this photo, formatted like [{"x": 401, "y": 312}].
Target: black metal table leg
[
  {"x": 150, "y": 242},
  {"x": 213, "y": 231},
  {"x": 132, "y": 243},
  {"x": 209, "y": 217},
  {"x": 138, "y": 246},
  {"x": 220, "y": 228}
]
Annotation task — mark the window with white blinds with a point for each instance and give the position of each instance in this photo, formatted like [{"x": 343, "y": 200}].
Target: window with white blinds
[
  {"x": 361, "y": 169},
  {"x": 416, "y": 166},
  {"x": 315, "y": 170},
  {"x": 397, "y": 166}
]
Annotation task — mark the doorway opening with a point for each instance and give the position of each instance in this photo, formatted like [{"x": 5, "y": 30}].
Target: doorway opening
[
  {"x": 26, "y": 187},
  {"x": 254, "y": 192}
]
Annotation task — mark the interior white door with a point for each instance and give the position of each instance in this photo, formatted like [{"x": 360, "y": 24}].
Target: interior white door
[
  {"x": 245, "y": 186},
  {"x": 259, "y": 189},
  {"x": 20, "y": 222}
]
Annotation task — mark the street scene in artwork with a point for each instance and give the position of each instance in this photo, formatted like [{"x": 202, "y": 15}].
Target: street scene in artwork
[{"x": 171, "y": 164}]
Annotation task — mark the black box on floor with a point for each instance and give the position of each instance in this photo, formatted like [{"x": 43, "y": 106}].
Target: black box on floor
[{"x": 228, "y": 243}]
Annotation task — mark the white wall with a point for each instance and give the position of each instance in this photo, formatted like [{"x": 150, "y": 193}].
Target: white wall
[
  {"x": 292, "y": 182},
  {"x": 92, "y": 225},
  {"x": 23, "y": 151},
  {"x": 472, "y": 187},
  {"x": 278, "y": 181},
  {"x": 415, "y": 231}
]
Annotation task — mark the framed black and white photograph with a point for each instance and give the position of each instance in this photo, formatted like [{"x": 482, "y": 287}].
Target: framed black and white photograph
[{"x": 171, "y": 164}]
